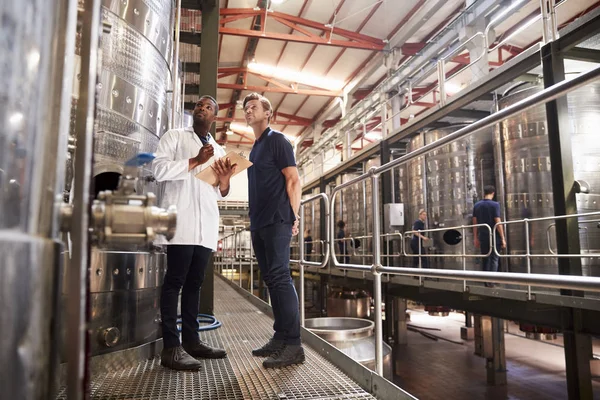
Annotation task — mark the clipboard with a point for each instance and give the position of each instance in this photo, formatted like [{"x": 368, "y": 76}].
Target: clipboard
[{"x": 209, "y": 176}]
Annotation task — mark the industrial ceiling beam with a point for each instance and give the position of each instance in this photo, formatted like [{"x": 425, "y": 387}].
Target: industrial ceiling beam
[
  {"x": 300, "y": 25},
  {"x": 275, "y": 121},
  {"x": 193, "y": 89}
]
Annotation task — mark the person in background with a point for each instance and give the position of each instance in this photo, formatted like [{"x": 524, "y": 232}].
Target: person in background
[
  {"x": 308, "y": 245},
  {"x": 418, "y": 240},
  {"x": 487, "y": 211},
  {"x": 342, "y": 245},
  {"x": 274, "y": 192},
  {"x": 181, "y": 154}
]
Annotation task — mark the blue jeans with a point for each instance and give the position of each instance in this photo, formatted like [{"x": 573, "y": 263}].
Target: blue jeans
[
  {"x": 272, "y": 249},
  {"x": 489, "y": 263}
]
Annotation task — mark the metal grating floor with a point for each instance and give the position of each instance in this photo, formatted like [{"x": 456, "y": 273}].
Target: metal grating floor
[{"x": 239, "y": 376}]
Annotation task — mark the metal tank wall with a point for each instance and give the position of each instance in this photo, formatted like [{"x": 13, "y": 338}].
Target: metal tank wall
[
  {"x": 523, "y": 144},
  {"x": 447, "y": 182},
  {"x": 36, "y": 39},
  {"x": 132, "y": 114},
  {"x": 355, "y": 209}
]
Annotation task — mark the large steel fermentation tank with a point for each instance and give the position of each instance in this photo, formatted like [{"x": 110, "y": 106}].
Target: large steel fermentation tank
[
  {"x": 35, "y": 87},
  {"x": 132, "y": 113},
  {"x": 354, "y": 207},
  {"x": 447, "y": 182},
  {"x": 525, "y": 156},
  {"x": 355, "y": 338}
]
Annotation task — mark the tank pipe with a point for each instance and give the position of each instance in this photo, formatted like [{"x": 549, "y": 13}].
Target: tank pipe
[
  {"x": 84, "y": 130},
  {"x": 176, "y": 63}
]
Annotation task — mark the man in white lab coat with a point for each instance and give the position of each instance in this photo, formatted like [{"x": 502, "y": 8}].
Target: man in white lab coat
[{"x": 181, "y": 154}]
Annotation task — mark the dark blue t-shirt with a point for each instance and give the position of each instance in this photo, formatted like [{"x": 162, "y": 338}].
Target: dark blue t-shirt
[
  {"x": 417, "y": 226},
  {"x": 268, "y": 200},
  {"x": 486, "y": 211}
]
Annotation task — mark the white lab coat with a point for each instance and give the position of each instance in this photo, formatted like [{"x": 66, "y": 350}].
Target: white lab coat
[{"x": 196, "y": 200}]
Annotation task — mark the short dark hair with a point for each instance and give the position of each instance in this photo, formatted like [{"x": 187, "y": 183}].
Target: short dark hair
[
  {"x": 206, "y": 96},
  {"x": 489, "y": 189},
  {"x": 341, "y": 224}
]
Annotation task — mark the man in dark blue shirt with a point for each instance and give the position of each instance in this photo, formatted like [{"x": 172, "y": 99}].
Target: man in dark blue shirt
[
  {"x": 341, "y": 237},
  {"x": 487, "y": 211},
  {"x": 415, "y": 246},
  {"x": 274, "y": 190}
]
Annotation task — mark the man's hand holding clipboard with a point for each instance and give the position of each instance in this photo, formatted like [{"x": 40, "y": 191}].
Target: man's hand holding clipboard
[{"x": 235, "y": 161}]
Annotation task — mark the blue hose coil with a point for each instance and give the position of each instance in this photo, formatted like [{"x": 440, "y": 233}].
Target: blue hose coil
[{"x": 203, "y": 319}]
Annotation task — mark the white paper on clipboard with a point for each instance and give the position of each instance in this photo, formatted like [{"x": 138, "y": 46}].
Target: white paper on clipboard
[{"x": 209, "y": 176}]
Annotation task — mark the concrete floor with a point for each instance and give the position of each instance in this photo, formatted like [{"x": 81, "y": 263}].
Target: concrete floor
[{"x": 443, "y": 370}]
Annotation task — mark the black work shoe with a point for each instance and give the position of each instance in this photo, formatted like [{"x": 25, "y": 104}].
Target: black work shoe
[
  {"x": 272, "y": 346},
  {"x": 201, "y": 349},
  {"x": 177, "y": 358},
  {"x": 289, "y": 355}
]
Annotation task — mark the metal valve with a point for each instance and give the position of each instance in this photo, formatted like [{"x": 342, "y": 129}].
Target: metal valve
[{"x": 123, "y": 218}]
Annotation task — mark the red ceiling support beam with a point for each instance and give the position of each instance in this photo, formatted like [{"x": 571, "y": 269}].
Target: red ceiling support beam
[
  {"x": 275, "y": 121},
  {"x": 352, "y": 39},
  {"x": 301, "y": 39},
  {"x": 275, "y": 89},
  {"x": 412, "y": 49}
]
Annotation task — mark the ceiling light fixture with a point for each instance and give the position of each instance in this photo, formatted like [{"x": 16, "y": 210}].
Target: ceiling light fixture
[
  {"x": 295, "y": 76},
  {"x": 241, "y": 128}
]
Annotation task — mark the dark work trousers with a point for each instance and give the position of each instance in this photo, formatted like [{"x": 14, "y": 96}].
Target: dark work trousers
[
  {"x": 424, "y": 260},
  {"x": 272, "y": 249},
  {"x": 489, "y": 263},
  {"x": 186, "y": 265}
]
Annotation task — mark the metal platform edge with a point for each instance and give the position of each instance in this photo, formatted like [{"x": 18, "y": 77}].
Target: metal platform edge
[{"x": 364, "y": 377}]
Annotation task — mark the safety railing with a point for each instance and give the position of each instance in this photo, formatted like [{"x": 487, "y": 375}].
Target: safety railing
[
  {"x": 408, "y": 235},
  {"x": 302, "y": 262},
  {"x": 527, "y": 240}
]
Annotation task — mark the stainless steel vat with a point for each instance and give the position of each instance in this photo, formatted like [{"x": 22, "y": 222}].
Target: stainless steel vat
[
  {"x": 348, "y": 303},
  {"x": 523, "y": 144},
  {"x": 132, "y": 113},
  {"x": 125, "y": 293},
  {"x": 36, "y": 40},
  {"x": 354, "y": 337},
  {"x": 446, "y": 183}
]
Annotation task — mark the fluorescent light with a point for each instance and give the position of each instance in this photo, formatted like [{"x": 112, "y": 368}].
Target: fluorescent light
[
  {"x": 278, "y": 1},
  {"x": 295, "y": 76},
  {"x": 452, "y": 88},
  {"x": 229, "y": 132},
  {"x": 241, "y": 128},
  {"x": 374, "y": 136}
]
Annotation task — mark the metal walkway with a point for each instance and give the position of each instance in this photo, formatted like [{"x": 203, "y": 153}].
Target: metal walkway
[{"x": 240, "y": 375}]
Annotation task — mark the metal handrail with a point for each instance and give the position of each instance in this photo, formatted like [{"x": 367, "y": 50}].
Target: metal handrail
[
  {"x": 302, "y": 262},
  {"x": 526, "y": 221},
  {"x": 409, "y": 234}
]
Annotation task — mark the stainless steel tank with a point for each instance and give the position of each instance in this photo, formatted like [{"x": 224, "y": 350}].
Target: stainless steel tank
[
  {"x": 132, "y": 113},
  {"x": 523, "y": 144},
  {"x": 348, "y": 303},
  {"x": 36, "y": 43},
  {"x": 447, "y": 182},
  {"x": 354, "y": 337}
]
